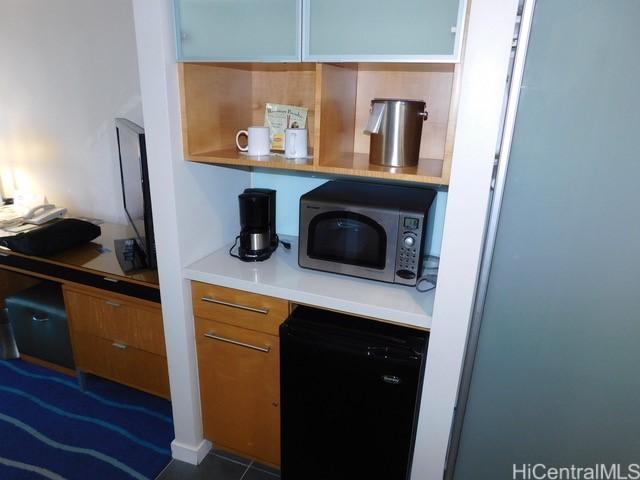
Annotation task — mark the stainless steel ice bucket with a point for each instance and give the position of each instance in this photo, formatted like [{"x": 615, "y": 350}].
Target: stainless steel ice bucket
[{"x": 395, "y": 127}]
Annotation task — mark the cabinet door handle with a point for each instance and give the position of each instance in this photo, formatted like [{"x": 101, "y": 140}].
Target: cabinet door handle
[
  {"x": 213, "y": 336},
  {"x": 263, "y": 311},
  {"x": 112, "y": 303},
  {"x": 119, "y": 345},
  {"x": 39, "y": 318}
]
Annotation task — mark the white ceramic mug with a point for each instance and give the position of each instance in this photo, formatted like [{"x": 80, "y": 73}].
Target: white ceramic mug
[
  {"x": 258, "y": 141},
  {"x": 295, "y": 142}
]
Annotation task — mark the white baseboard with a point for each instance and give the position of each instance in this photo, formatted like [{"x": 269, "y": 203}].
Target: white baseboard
[{"x": 190, "y": 454}]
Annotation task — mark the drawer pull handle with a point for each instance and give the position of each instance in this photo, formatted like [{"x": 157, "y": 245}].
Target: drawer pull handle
[
  {"x": 112, "y": 280},
  {"x": 119, "y": 345},
  {"x": 39, "y": 318},
  {"x": 263, "y": 311},
  {"x": 113, "y": 304},
  {"x": 236, "y": 342}
]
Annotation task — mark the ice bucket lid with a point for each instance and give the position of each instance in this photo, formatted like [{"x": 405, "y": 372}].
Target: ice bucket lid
[{"x": 399, "y": 100}]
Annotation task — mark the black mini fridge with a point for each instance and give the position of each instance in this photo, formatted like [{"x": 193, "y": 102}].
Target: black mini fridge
[{"x": 350, "y": 394}]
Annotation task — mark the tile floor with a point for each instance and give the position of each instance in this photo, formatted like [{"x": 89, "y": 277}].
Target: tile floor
[{"x": 219, "y": 466}]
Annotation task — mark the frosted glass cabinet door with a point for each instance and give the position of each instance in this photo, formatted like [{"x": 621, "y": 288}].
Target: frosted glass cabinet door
[
  {"x": 239, "y": 30},
  {"x": 382, "y": 30}
]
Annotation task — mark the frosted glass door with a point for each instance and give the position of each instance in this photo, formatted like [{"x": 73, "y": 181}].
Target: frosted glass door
[
  {"x": 239, "y": 30},
  {"x": 382, "y": 30},
  {"x": 556, "y": 377}
]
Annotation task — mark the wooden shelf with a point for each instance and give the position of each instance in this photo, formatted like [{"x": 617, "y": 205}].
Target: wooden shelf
[
  {"x": 427, "y": 171},
  {"x": 230, "y": 156},
  {"x": 220, "y": 99},
  {"x": 356, "y": 164}
]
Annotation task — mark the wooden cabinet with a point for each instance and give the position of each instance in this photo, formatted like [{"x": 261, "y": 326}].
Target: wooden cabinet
[
  {"x": 239, "y": 369},
  {"x": 319, "y": 30},
  {"x": 242, "y": 309},
  {"x": 409, "y": 49},
  {"x": 380, "y": 30},
  {"x": 250, "y": 30},
  {"x": 219, "y": 99},
  {"x": 121, "y": 363},
  {"x": 118, "y": 337}
]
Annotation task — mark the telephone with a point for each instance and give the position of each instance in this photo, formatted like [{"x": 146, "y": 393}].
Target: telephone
[{"x": 43, "y": 213}]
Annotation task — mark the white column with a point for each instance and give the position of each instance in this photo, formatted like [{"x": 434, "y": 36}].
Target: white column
[
  {"x": 486, "y": 61},
  {"x": 188, "y": 220}
]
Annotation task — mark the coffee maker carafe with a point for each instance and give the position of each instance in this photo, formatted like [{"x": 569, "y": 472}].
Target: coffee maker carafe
[{"x": 258, "y": 238}]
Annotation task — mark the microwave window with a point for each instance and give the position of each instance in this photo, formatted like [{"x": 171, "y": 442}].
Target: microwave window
[{"x": 347, "y": 237}]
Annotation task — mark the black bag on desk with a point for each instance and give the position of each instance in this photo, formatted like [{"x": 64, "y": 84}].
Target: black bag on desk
[{"x": 52, "y": 238}]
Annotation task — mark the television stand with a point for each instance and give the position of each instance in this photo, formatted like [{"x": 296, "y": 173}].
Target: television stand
[{"x": 130, "y": 256}]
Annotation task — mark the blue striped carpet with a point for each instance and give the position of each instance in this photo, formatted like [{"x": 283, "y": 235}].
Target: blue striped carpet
[{"x": 49, "y": 429}]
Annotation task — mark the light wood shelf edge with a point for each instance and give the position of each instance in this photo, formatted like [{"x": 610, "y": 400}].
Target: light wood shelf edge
[
  {"x": 342, "y": 167},
  {"x": 451, "y": 125},
  {"x": 184, "y": 121},
  {"x": 231, "y": 157}
]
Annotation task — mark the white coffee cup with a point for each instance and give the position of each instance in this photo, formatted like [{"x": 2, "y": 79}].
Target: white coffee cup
[
  {"x": 295, "y": 142},
  {"x": 258, "y": 141}
]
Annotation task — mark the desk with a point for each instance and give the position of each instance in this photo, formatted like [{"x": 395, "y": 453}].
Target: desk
[
  {"x": 115, "y": 321},
  {"x": 93, "y": 264}
]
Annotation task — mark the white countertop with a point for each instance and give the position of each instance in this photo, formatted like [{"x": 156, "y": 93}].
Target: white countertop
[{"x": 280, "y": 276}]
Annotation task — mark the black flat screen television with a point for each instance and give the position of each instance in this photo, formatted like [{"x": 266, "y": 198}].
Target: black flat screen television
[{"x": 139, "y": 252}]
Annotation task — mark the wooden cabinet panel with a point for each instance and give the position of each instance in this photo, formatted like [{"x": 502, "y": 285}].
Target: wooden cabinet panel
[
  {"x": 338, "y": 98},
  {"x": 139, "y": 369},
  {"x": 119, "y": 338},
  {"x": 240, "y": 389},
  {"x": 235, "y": 307},
  {"x": 116, "y": 318}
]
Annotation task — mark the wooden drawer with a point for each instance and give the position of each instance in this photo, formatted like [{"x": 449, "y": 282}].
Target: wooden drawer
[
  {"x": 239, "y": 373},
  {"x": 131, "y": 366},
  {"x": 116, "y": 318},
  {"x": 235, "y": 307}
]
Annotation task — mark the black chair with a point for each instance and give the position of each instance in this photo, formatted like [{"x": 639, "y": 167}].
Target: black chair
[
  {"x": 40, "y": 325},
  {"x": 8, "y": 348}
]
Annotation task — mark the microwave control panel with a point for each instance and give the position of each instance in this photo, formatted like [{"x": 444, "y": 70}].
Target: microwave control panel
[{"x": 409, "y": 258}]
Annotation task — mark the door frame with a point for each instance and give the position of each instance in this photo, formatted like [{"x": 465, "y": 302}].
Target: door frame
[
  {"x": 483, "y": 82},
  {"x": 499, "y": 180}
]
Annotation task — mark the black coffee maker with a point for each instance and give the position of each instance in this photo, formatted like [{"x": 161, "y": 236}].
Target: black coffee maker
[{"x": 258, "y": 239}]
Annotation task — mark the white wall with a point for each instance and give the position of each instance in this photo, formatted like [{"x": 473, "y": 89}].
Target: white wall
[
  {"x": 68, "y": 68},
  {"x": 191, "y": 213}
]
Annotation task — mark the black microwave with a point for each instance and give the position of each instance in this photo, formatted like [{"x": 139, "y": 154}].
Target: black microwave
[{"x": 365, "y": 230}]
